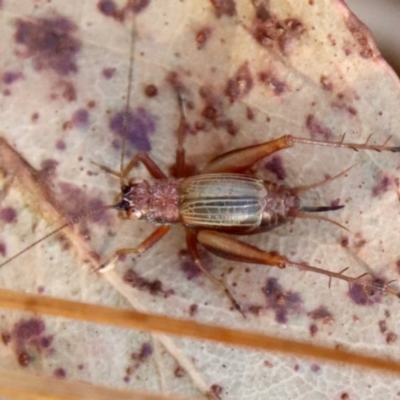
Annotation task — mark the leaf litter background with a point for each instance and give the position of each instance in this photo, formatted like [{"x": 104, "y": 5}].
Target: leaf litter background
[{"x": 314, "y": 72}]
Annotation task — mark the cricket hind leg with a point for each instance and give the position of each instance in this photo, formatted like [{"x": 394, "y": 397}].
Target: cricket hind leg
[
  {"x": 191, "y": 242},
  {"x": 230, "y": 248},
  {"x": 241, "y": 159}
]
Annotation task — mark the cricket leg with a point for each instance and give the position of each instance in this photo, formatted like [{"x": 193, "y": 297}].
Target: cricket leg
[
  {"x": 149, "y": 242},
  {"x": 191, "y": 242},
  {"x": 353, "y": 146},
  {"x": 180, "y": 162},
  {"x": 230, "y": 248},
  {"x": 145, "y": 159},
  {"x": 241, "y": 159}
]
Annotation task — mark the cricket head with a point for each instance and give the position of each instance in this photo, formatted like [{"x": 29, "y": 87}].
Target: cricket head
[{"x": 134, "y": 199}]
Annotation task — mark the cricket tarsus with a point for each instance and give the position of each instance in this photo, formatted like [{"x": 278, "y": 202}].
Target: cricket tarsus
[{"x": 353, "y": 146}]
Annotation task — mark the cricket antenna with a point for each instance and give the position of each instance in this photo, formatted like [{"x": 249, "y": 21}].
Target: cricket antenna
[
  {"x": 60, "y": 228},
  {"x": 128, "y": 102},
  {"x": 303, "y": 213},
  {"x": 298, "y": 189}
]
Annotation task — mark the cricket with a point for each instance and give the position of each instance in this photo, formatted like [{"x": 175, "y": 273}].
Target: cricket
[{"x": 221, "y": 204}]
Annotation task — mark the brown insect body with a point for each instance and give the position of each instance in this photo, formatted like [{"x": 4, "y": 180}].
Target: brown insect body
[{"x": 230, "y": 203}]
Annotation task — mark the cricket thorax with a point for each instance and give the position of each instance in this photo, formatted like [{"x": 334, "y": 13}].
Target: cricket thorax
[{"x": 155, "y": 201}]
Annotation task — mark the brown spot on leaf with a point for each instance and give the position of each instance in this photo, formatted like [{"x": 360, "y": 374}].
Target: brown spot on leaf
[
  {"x": 391, "y": 337},
  {"x": 150, "y": 90},
  {"x": 3, "y": 249},
  {"x": 23, "y": 359},
  {"x": 270, "y": 31},
  {"x": 382, "y": 185},
  {"x": 68, "y": 91},
  {"x": 361, "y": 34},
  {"x": 313, "y": 330},
  {"x": 271, "y": 81},
  {"x": 249, "y": 114},
  {"x": 326, "y": 83},
  {"x": 108, "y": 73},
  {"x": 193, "y": 309},
  {"x": 224, "y": 7},
  {"x": 179, "y": 372},
  {"x": 136, "y": 281},
  {"x": 6, "y": 338},
  {"x": 318, "y": 129},
  {"x": 321, "y": 314},
  {"x": 216, "y": 392},
  {"x": 382, "y": 326},
  {"x": 60, "y": 373},
  {"x": 240, "y": 84},
  {"x": 202, "y": 37}
]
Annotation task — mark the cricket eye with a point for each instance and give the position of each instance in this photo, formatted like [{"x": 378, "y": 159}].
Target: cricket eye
[{"x": 126, "y": 189}]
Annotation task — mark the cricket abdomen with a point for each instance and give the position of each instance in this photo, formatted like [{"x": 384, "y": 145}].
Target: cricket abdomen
[{"x": 233, "y": 203}]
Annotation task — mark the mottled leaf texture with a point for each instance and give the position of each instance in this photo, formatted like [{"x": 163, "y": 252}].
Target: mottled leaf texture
[{"x": 249, "y": 71}]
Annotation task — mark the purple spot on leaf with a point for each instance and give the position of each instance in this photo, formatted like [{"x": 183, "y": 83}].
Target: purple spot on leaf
[
  {"x": 60, "y": 145},
  {"x": 50, "y": 42},
  {"x": 280, "y": 302},
  {"x": 138, "y": 124},
  {"x": 8, "y": 215},
  {"x": 136, "y": 281},
  {"x": 364, "y": 293},
  {"x": 188, "y": 266},
  {"x": 80, "y": 118},
  {"x": 107, "y": 7},
  {"x": 274, "y": 83},
  {"x": 317, "y": 129},
  {"x": 10, "y": 77},
  {"x": 60, "y": 373},
  {"x": 382, "y": 185},
  {"x": 275, "y": 165},
  {"x": 108, "y": 73},
  {"x": 240, "y": 84}
]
